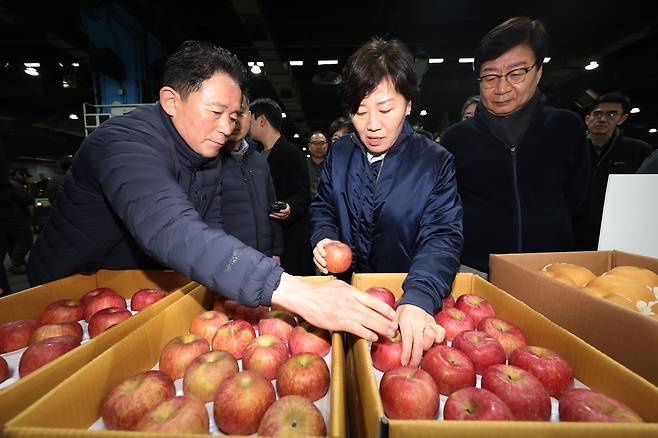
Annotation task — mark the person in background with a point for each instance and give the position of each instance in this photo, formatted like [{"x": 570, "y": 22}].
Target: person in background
[
  {"x": 611, "y": 152},
  {"x": 5, "y": 205},
  {"x": 522, "y": 166},
  {"x": 61, "y": 167},
  {"x": 318, "y": 145},
  {"x": 339, "y": 127},
  {"x": 19, "y": 229},
  {"x": 390, "y": 193},
  {"x": 468, "y": 109}
]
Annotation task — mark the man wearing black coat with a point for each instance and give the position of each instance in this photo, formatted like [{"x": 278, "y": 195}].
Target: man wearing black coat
[{"x": 5, "y": 193}]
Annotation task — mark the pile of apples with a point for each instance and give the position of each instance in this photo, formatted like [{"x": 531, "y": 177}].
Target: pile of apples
[
  {"x": 59, "y": 329},
  {"x": 252, "y": 370},
  {"x": 484, "y": 370}
]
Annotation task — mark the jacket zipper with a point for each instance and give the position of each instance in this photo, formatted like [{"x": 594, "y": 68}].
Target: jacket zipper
[{"x": 518, "y": 201}]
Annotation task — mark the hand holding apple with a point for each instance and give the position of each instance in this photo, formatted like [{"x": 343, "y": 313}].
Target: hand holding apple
[
  {"x": 332, "y": 256},
  {"x": 386, "y": 353}
]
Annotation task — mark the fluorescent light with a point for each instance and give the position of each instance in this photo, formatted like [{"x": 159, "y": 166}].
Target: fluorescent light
[
  {"x": 308, "y": 156},
  {"x": 31, "y": 71},
  {"x": 32, "y": 64},
  {"x": 304, "y": 149},
  {"x": 60, "y": 64},
  {"x": 283, "y": 115},
  {"x": 423, "y": 112},
  {"x": 297, "y": 63},
  {"x": 75, "y": 64},
  {"x": 327, "y": 61},
  {"x": 435, "y": 60},
  {"x": 592, "y": 65},
  {"x": 250, "y": 63},
  {"x": 547, "y": 60},
  {"x": 296, "y": 136},
  {"x": 255, "y": 69},
  {"x": 635, "y": 110},
  {"x": 73, "y": 116},
  {"x": 653, "y": 130},
  {"x": 260, "y": 63},
  {"x": 466, "y": 60},
  {"x": 65, "y": 84}
]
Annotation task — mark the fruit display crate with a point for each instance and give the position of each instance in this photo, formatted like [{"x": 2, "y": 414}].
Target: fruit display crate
[
  {"x": 73, "y": 407},
  {"x": 30, "y": 303},
  {"x": 625, "y": 335},
  {"x": 591, "y": 367}
]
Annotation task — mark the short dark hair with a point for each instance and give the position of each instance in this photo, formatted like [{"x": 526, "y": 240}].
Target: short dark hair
[
  {"x": 511, "y": 33},
  {"x": 470, "y": 100},
  {"x": 318, "y": 131},
  {"x": 340, "y": 123},
  {"x": 197, "y": 61},
  {"x": 267, "y": 107},
  {"x": 372, "y": 63},
  {"x": 613, "y": 98}
]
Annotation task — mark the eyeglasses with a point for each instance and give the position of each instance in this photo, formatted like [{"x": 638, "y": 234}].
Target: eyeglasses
[
  {"x": 515, "y": 76},
  {"x": 598, "y": 114},
  {"x": 317, "y": 142}
]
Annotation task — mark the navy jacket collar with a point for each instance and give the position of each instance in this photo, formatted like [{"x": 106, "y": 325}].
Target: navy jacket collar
[{"x": 399, "y": 145}]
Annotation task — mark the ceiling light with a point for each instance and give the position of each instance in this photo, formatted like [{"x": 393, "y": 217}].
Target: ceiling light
[
  {"x": 653, "y": 130},
  {"x": 31, "y": 71},
  {"x": 466, "y": 60},
  {"x": 592, "y": 65},
  {"x": 73, "y": 116},
  {"x": 303, "y": 149},
  {"x": 297, "y": 63},
  {"x": 423, "y": 112},
  {"x": 260, "y": 63},
  {"x": 327, "y": 61},
  {"x": 251, "y": 63},
  {"x": 75, "y": 64},
  {"x": 65, "y": 84},
  {"x": 60, "y": 64},
  {"x": 283, "y": 115},
  {"x": 635, "y": 110},
  {"x": 255, "y": 69},
  {"x": 32, "y": 64},
  {"x": 547, "y": 60},
  {"x": 295, "y": 136},
  {"x": 308, "y": 156},
  {"x": 435, "y": 60}
]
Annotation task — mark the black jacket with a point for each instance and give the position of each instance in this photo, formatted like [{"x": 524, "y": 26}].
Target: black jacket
[
  {"x": 20, "y": 201},
  {"x": 136, "y": 190},
  {"x": 519, "y": 198}
]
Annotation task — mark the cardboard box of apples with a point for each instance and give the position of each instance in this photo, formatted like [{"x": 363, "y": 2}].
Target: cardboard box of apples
[
  {"x": 490, "y": 376},
  {"x": 50, "y": 331},
  {"x": 199, "y": 367}
]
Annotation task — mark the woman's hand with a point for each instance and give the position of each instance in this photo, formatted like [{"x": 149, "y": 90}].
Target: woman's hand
[
  {"x": 419, "y": 332},
  {"x": 319, "y": 255}
]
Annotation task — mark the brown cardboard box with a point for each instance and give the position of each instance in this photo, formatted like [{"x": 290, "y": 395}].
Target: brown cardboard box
[
  {"x": 623, "y": 334},
  {"x": 29, "y": 304},
  {"x": 590, "y": 366},
  {"x": 74, "y": 405}
]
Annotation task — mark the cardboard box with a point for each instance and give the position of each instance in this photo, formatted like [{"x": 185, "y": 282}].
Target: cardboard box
[
  {"x": 74, "y": 405},
  {"x": 623, "y": 334},
  {"x": 29, "y": 304},
  {"x": 591, "y": 367}
]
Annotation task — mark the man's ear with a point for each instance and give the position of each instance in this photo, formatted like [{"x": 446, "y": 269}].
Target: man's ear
[
  {"x": 622, "y": 119},
  {"x": 168, "y": 100}
]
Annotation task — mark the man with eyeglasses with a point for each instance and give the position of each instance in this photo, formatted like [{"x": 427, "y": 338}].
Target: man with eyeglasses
[
  {"x": 522, "y": 167},
  {"x": 317, "y": 149}
]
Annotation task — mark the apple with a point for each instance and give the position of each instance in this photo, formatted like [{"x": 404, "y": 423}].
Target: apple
[
  {"x": 131, "y": 399},
  {"x": 207, "y": 323},
  {"x": 106, "y": 318},
  {"x": 508, "y": 334},
  {"x": 522, "y": 392},
  {"x": 450, "y": 368},
  {"x": 454, "y": 321},
  {"x": 241, "y": 402},
  {"x": 206, "y": 372},
  {"x": 292, "y": 415},
  {"x": 482, "y": 349},
  {"x": 306, "y": 338},
  {"x": 94, "y": 293},
  {"x": 338, "y": 257},
  {"x": 278, "y": 323},
  {"x": 304, "y": 374},
  {"x": 546, "y": 365},
  {"x": 383, "y": 293},
  {"x": 234, "y": 336},
  {"x": 265, "y": 354},
  {"x": 448, "y": 302},
  {"x": 177, "y": 355},
  {"x": 475, "y": 306},
  {"x": 145, "y": 297},
  {"x": 39, "y": 354},
  {"x": 103, "y": 300},
  {"x": 409, "y": 393},
  {"x": 225, "y": 306},
  {"x": 386, "y": 353},
  {"x": 180, "y": 414},
  {"x": 4, "y": 369},
  {"x": 476, "y": 404},
  {"x": 53, "y": 330},
  {"x": 250, "y": 314},
  {"x": 62, "y": 311},
  {"x": 16, "y": 335},
  {"x": 580, "y": 404}
]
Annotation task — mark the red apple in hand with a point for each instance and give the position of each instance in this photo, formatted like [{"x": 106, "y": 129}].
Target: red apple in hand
[
  {"x": 145, "y": 297},
  {"x": 4, "y": 369},
  {"x": 475, "y": 306},
  {"x": 278, "y": 323},
  {"x": 39, "y": 354},
  {"x": 251, "y": 314},
  {"x": 306, "y": 338},
  {"x": 450, "y": 368},
  {"x": 386, "y": 353},
  {"x": 204, "y": 375},
  {"x": 234, "y": 336},
  {"x": 62, "y": 311},
  {"x": 546, "y": 365},
  {"x": 476, "y": 404},
  {"x": 106, "y": 318},
  {"x": 265, "y": 354},
  {"x": 207, "y": 323},
  {"x": 304, "y": 374},
  {"x": 508, "y": 334},
  {"x": 180, "y": 352},
  {"x": 180, "y": 414},
  {"x": 338, "y": 257},
  {"x": 483, "y": 350},
  {"x": 127, "y": 402},
  {"x": 383, "y": 293},
  {"x": 522, "y": 392},
  {"x": 579, "y": 404},
  {"x": 454, "y": 321},
  {"x": 16, "y": 335},
  {"x": 292, "y": 415},
  {"x": 53, "y": 330},
  {"x": 241, "y": 403},
  {"x": 104, "y": 299},
  {"x": 409, "y": 393}
]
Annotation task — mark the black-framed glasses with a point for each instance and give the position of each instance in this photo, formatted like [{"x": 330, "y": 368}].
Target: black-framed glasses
[
  {"x": 515, "y": 76},
  {"x": 598, "y": 114}
]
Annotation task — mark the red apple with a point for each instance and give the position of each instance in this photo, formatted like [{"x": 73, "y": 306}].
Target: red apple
[
  {"x": 546, "y": 365},
  {"x": 476, "y": 404},
  {"x": 475, "y": 306},
  {"x": 4, "y": 369},
  {"x": 508, "y": 334},
  {"x": 225, "y": 306},
  {"x": 145, "y": 297},
  {"x": 241, "y": 403},
  {"x": 234, "y": 336},
  {"x": 386, "y": 353},
  {"x": 180, "y": 414},
  {"x": 265, "y": 354},
  {"x": 483, "y": 350},
  {"x": 207, "y": 323},
  {"x": 104, "y": 299},
  {"x": 16, "y": 335},
  {"x": 292, "y": 415},
  {"x": 39, "y": 354},
  {"x": 450, "y": 368},
  {"x": 250, "y": 314},
  {"x": 409, "y": 393},
  {"x": 383, "y": 293},
  {"x": 206, "y": 372},
  {"x": 338, "y": 257},
  {"x": 130, "y": 400},
  {"x": 177, "y": 355},
  {"x": 447, "y": 302},
  {"x": 522, "y": 392},
  {"x": 94, "y": 293},
  {"x": 580, "y": 404},
  {"x": 62, "y": 311},
  {"x": 306, "y": 338},
  {"x": 278, "y": 323},
  {"x": 304, "y": 374},
  {"x": 106, "y": 318},
  {"x": 53, "y": 330},
  {"x": 454, "y": 321}
]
